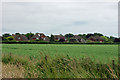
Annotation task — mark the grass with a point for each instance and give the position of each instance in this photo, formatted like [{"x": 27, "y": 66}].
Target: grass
[
  {"x": 59, "y": 67},
  {"x": 12, "y": 71},
  {"x": 59, "y": 61},
  {"x": 98, "y": 53}
]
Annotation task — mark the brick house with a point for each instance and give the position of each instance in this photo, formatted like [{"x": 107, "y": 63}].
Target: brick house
[
  {"x": 60, "y": 38},
  {"x": 96, "y": 38},
  {"x": 77, "y": 38},
  {"x": 39, "y": 36},
  {"x": 20, "y": 37}
]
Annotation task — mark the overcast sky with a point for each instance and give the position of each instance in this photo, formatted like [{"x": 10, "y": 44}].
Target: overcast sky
[{"x": 60, "y": 17}]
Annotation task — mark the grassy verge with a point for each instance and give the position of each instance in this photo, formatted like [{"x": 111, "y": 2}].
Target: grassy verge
[{"x": 59, "y": 67}]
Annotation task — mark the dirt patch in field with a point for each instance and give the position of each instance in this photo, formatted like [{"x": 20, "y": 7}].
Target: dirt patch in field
[{"x": 12, "y": 71}]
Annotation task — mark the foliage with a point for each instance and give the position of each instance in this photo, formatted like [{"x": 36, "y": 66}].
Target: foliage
[
  {"x": 10, "y": 38},
  {"x": 61, "y": 67},
  {"x": 69, "y": 35},
  {"x": 5, "y": 36},
  {"x": 105, "y": 38},
  {"x": 52, "y": 38},
  {"x": 17, "y": 33},
  {"x": 89, "y": 35},
  {"x": 29, "y": 35},
  {"x": 112, "y": 38},
  {"x": 97, "y": 34},
  {"x": 82, "y": 35}
]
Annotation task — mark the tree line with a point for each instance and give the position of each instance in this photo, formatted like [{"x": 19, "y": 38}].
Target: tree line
[{"x": 9, "y": 37}]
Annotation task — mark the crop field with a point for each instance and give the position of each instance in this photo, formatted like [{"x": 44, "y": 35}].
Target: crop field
[{"x": 98, "y": 53}]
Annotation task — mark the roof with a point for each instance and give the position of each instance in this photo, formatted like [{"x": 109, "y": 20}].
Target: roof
[
  {"x": 56, "y": 36},
  {"x": 76, "y": 37},
  {"x": 22, "y": 37},
  {"x": 96, "y": 38},
  {"x": 37, "y": 35}
]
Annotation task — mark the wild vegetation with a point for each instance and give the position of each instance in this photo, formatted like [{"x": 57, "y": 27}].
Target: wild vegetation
[{"x": 59, "y": 67}]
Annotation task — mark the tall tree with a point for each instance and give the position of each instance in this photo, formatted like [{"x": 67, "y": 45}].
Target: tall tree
[
  {"x": 69, "y": 35},
  {"x": 29, "y": 35},
  {"x": 6, "y": 35},
  {"x": 52, "y": 38},
  {"x": 112, "y": 38},
  {"x": 98, "y": 34},
  {"x": 88, "y": 35},
  {"x": 82, "y": 35},
  {"x": 17, "y": 33}
]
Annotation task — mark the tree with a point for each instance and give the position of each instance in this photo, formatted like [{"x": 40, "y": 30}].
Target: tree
[
  {"x": 52, "y": 38},
  {"x": 10, "y": 38},
  {"x": 17, "y": 33},
  {"x": 112, "y": 38},
  {"x": 97, "y": 34},
  {"x": 69, "y": 35},
  {"x": 6, "y": 35},
  {"x": 29, "y": 35},
  {"x": 89, "y": 35},
  {"x": 105, "y": 38},
  {"x": 82, "y": 35}
]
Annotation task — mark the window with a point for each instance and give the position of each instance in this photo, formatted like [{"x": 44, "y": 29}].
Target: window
[
  {"x": 37, "y": 38},
  {"x": 44, "y": 39},
  {"x": 18, "y": 37}
]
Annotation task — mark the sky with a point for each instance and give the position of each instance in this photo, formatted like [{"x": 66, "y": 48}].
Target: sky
[{"x": 61, "y": 17}]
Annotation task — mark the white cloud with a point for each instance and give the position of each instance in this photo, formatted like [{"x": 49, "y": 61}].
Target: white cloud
[
  {"x": 60, "y": 0},
  {"x": 61, "y": 17}
]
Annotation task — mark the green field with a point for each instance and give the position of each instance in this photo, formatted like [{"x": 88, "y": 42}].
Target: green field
[{"x": 101, "y": 53}]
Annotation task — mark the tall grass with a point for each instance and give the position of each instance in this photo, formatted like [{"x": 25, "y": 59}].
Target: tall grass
[{"x": 61, "y": 67}]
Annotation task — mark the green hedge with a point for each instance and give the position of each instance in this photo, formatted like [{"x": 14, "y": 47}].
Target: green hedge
[{"x": 45, "y": 42}]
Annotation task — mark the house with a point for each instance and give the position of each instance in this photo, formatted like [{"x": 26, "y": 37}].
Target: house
[
  {"x": 117, "y": 40},
  {"x": 77, "y": 38},
  {"x": 46, "y": 39},
  {"x": 60, "y": 38},
  {"x": 96, "y": 38},
  {"x": 57, "y": 37},
  {"x": 20, "y": 37},
  {"x": 63, "y": 39},
  {"x": 39, "y": 36}
]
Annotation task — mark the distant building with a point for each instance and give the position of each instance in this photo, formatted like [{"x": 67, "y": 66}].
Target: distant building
[
  {"x": 20, "y": 37},
  {"x": 77, "y": 38},
  {"x": 96, "y": 38},
  {"x": 60, "y": 38},
  {"x": 39, "y": 36},
  {"x": 117, "y": 40}
]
